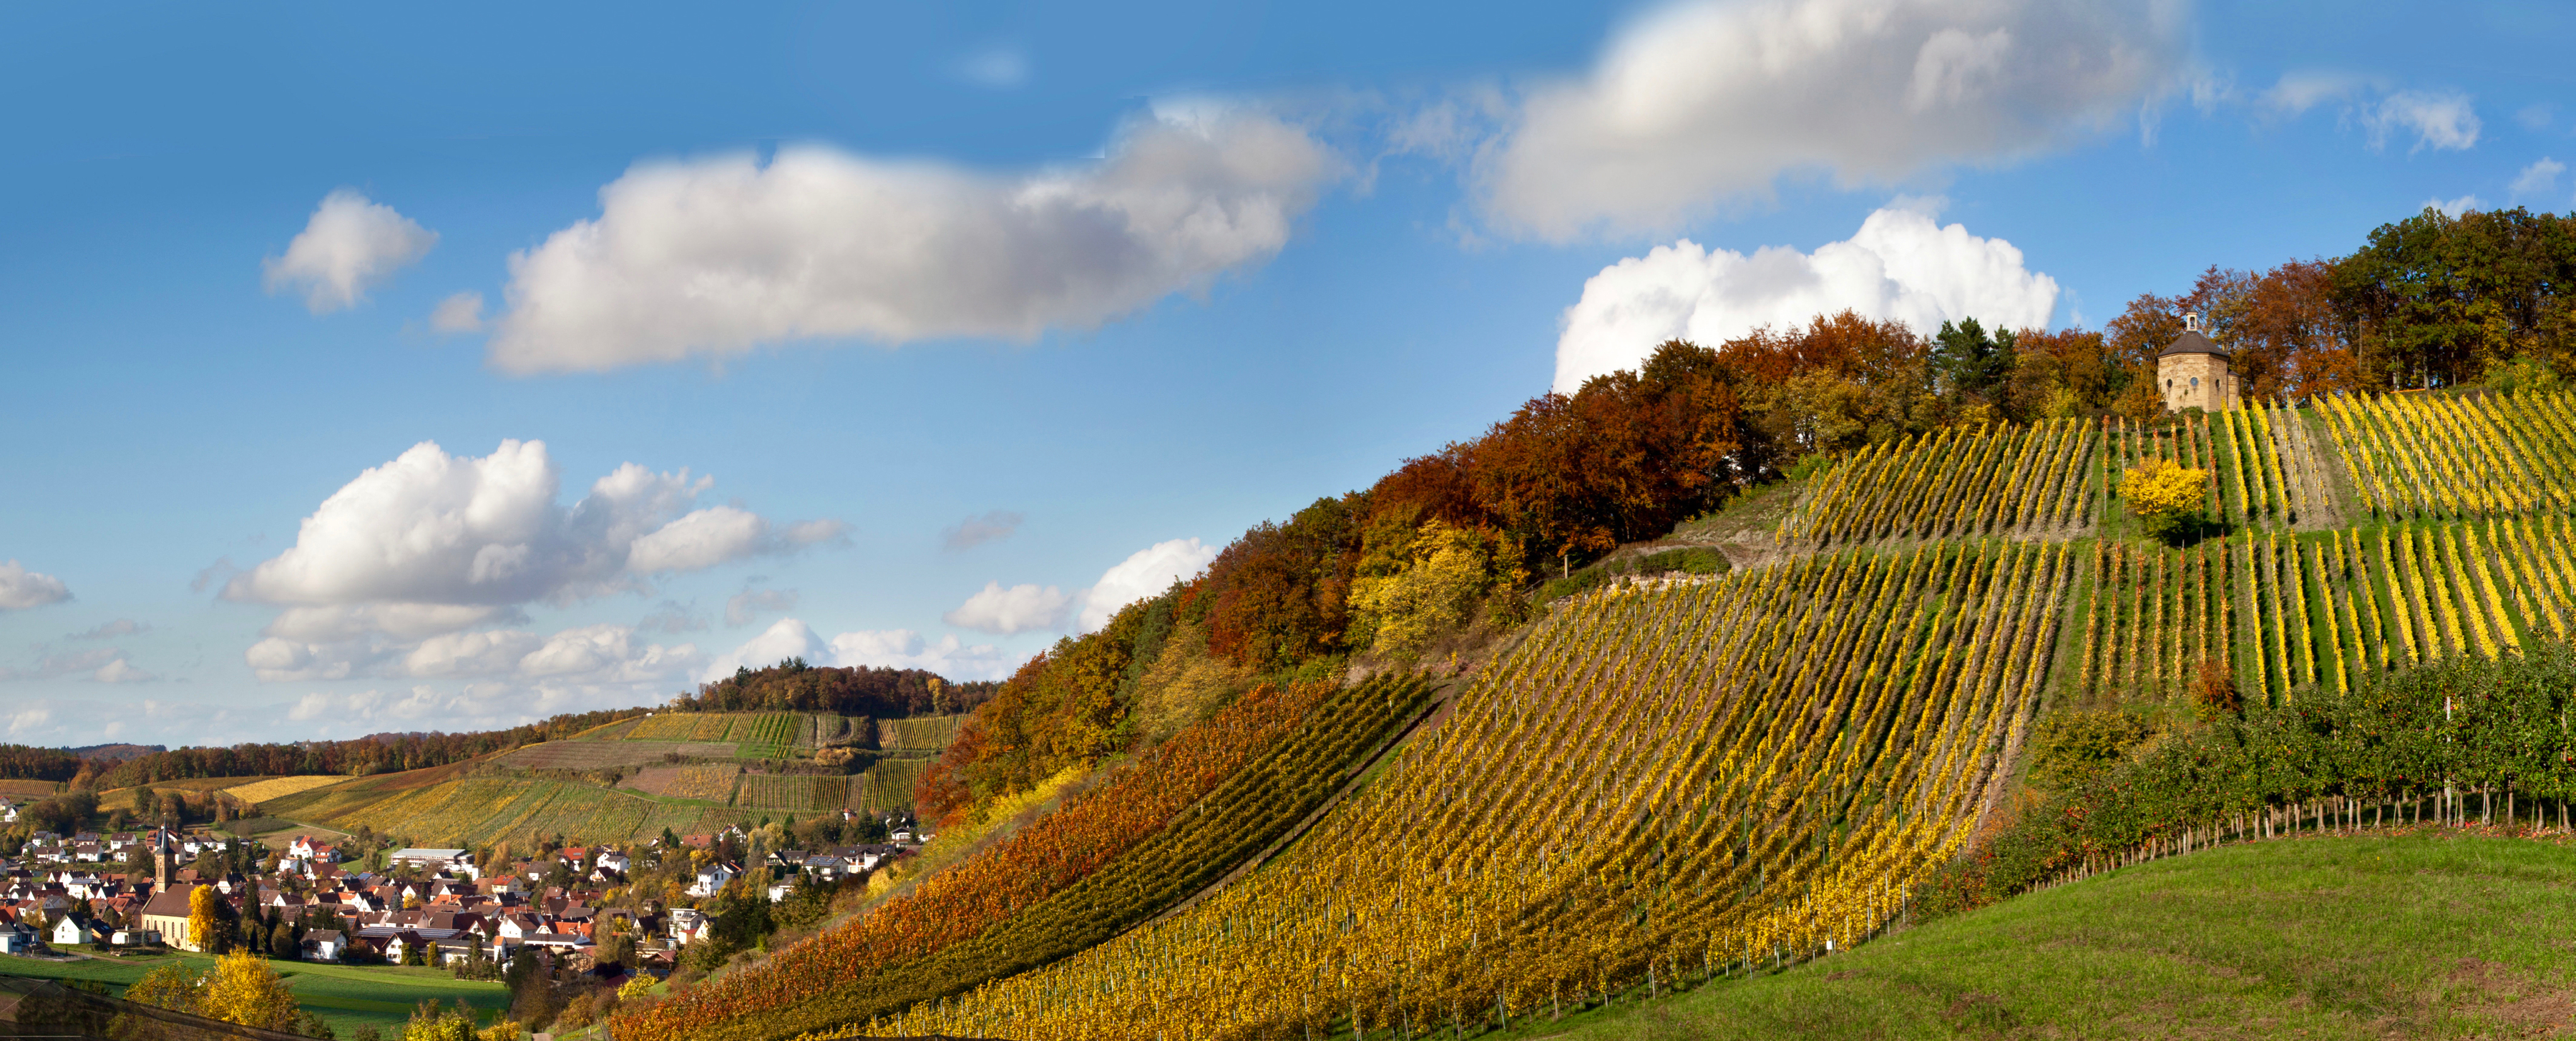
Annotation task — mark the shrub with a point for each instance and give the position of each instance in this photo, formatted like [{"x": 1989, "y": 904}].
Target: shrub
[{"x": 2165, "y": 496}]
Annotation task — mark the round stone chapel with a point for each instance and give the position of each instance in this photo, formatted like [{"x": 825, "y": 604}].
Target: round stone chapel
[{"x": 2195, "y": 371}]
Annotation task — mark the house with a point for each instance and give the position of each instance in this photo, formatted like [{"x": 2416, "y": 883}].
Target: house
[
  {"x": 712, "y": 878},
  {"x": 16, "y": 939},
  {"x": 167, "y": 913},
  {"x": 70, "y": 932},
  {"x": 134, "y": 938},
  {"x": 324, "y": 945},
  {"x": 687, "y": 923}
]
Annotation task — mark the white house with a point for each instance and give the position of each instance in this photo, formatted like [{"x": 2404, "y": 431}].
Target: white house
[
  {"x": 324, "y": 945},
  {"x": 70, "y": 932},
  {"x": 712, "y": 878}
]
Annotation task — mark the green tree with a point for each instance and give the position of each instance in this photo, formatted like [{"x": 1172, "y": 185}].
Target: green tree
[{"x": 1971, "y": 362}]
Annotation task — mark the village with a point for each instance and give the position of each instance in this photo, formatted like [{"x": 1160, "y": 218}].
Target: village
[{"x": 610, "y": 912}]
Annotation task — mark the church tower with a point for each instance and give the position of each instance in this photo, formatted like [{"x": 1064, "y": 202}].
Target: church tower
[{"x": 2194, "y": 371}]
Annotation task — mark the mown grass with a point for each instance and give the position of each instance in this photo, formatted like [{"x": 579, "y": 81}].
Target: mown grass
[
  {"x": 343, "y": 995},
  {"x": 2414, "y": 936}
]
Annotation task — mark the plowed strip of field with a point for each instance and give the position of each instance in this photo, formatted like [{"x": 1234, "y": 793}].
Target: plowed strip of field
[
  {"x": 280, "y": 787},
  {"x": 593, "y": 755}
]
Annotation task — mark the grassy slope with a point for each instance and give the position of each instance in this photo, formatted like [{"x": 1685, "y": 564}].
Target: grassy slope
[
  {"x": 2315, "y": 938},
  {"x": 346, "y": 996}
]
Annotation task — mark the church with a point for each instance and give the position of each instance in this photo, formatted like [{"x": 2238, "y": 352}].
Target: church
[{"x": 2195, "y": 371}]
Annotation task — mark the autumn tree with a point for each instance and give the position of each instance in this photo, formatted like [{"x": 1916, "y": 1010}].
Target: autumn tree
[
  {"x": 2165, "y": 496},
  {"x": 243, "y": 989}
]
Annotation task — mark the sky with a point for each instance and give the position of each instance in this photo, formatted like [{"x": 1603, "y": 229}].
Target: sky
[{"x": 370, "y": 370}]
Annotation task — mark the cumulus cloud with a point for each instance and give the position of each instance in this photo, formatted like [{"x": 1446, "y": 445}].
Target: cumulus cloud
[
  {"x": 906, "y": 649},
  {"x": 461, "y": 313},
  {"x": 21, "y": 589},
  {"x": 2439, "y": 120},
  {"x": 2454, "y": 207},
  {"x": 122, "y": 671},
  {"x": 1709, "y": 101},
  {"x": 714, "y": 257},
  {"x": 438, "y": 541},
  {"x": 2539, "y": 178},
  {"x": 1901, "y": 265},
  {"x": 786, "y": 638},
  {"x": 881, "y": 648},
  {"x": 1018, "y": 609},
  {"x": 1146, "y": 572},
  {"x": 976, "y": 531},
  {"x": 744, "y": 606},
  {"x": 349, "y": 246},
  {"x": 29, "y": 720},
  {"x": 110, "y": 630}
]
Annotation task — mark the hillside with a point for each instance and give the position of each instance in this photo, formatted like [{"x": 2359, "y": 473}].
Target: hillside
[
  {"x": 686, "y": 772},
  {"x": 1670, "y": 770},
  {"x": 2415, "y": 936}
]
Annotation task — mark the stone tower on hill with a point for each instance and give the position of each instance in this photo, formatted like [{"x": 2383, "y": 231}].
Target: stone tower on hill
[{"x": 2195, "y": 373}]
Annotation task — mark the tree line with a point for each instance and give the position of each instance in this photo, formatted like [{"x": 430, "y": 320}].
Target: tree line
[{"x": 794, "y": 686}]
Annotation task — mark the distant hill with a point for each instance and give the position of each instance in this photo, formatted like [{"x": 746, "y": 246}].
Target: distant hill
[{"x": 115, "y": 753}]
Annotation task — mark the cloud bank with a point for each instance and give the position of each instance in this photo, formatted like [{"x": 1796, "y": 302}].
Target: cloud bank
[
  {"x": 714, "y": 257},
  {"x": 1901, "y": 265},
  {"x": 349, "y": 246},
  {"x": 1704, "y": 102},
  {"x": 880, "y": 648}
]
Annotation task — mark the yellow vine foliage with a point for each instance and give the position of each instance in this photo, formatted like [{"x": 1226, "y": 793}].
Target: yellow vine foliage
[{"x": 2163, "y": 488}]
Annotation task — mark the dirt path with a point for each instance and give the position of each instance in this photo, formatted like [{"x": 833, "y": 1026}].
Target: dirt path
[{"x": 2314, "y": 473}]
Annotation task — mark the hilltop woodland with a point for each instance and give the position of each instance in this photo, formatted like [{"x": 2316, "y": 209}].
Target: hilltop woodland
[{"x": 1456, "y": 539}]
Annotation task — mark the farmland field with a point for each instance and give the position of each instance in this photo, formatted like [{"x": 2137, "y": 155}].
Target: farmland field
[
  {"x": 24, "y": 789},
  {"x": 593, "y": 755},
  {"x": 478, "y": 810},
  {"x": 800, "y": 793},
  {"x": 923, "y": 733},
  {"x": 887, "y": 785},
  {"x": 276, "y": 787},
  {"x": 702, "y": 783},
  {"x": 381, "y": 996}
]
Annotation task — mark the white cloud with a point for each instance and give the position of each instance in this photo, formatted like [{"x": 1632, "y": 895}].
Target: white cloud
[
  {"x": 1018, "y": 609},
  {"x": 2536, "y": 116},
  {"x": 2454, "y": 207},
  {"x": 976, "y": 531},
  {"x": 1147, "y": 572},
  {"x": 784, "y": 639},
  {"x": 350, "y": 246},
  {"x": 461, "y": 313},
  {"x": 999, "y": 67},
  {"x": 744, "y": 606},
  {"x": 905, "y": 649},
  {"x": 2539, "y": 178},
  {"x": 1705, "y": 102},
  {"x": 471, "y": 654},
  {"x": 2297, "y": 92},
  {"x": 21, "y": 589},
  {"x": 714, "y": 257},
  {"x": 26, "y": 720},
  {"x": 2440, "y": 119},
  {"x": 111, "y": 630},
  {"x": 122, "y": 671},
  {"x": 444, "y": 539},
  {"x": 671, "y": 617},
  {"x": 1901, "y": 265}
]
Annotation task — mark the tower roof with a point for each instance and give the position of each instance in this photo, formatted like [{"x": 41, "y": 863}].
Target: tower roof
[{"x": 2192, "y": 342}]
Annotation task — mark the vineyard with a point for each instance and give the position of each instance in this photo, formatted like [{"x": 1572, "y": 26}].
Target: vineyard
[
  {"x": 479, "y": 810},
  {"x": 887, "y": 785},
  {"x": 797, "y": 793},
  {"x": 1660, "y": 783},
  {"x": 1668, "y": 781},
  {"x": 925, "y": 733},
  {"x": 1109, "y": 859}
]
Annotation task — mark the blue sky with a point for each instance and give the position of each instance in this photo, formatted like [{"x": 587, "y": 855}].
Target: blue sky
[{"x": 976, "y": 315}]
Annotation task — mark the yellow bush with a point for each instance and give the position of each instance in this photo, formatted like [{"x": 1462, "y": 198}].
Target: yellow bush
[
  {"x": 244, "y": 990},
  {"x": 2163, "y": 493}
]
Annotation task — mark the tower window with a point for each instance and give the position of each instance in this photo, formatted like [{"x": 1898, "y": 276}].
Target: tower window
[{"x": 2195, "y": 383}]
